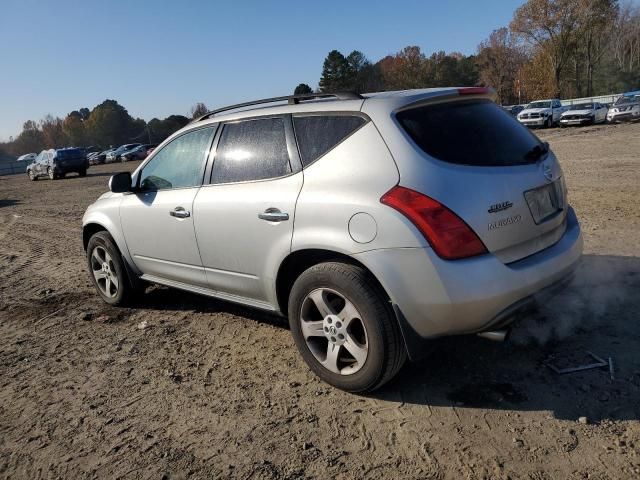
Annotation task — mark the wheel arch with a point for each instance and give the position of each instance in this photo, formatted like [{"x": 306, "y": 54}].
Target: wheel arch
[{"x": 300, "y": 260}]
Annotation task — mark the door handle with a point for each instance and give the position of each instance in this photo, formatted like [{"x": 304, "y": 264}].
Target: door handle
[
  {"x": 180, "y": 212},
  {"x": 273, "y": 215}
]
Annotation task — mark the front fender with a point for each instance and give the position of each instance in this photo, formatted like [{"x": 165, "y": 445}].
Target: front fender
[{"x": 108, "y": 218}]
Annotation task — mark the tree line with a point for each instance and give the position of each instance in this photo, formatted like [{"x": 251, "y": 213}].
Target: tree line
[
  {"x": 551, "y": 48},
  {"x": 108, "y": 124}
]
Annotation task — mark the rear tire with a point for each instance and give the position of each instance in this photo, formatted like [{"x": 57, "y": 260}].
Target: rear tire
[
  {"x": 82, "y": 173},
  {"x": 108, "y": 272},
  {"x": 32, "y": 176},
  {"x": 365, "y": 349},
  {"x": 52, "y": 173}
]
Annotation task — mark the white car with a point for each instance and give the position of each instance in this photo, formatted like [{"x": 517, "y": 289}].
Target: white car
[
  {"x": 584, "y": 114},
  {"x": 626, "y": 108},
  {"x": 541, "y": 113},
  {"x": 28, "y": 157}
]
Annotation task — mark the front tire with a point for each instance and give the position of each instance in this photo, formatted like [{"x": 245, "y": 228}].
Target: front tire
[
  {"x": 343, "y": 327},
  {"x": 32, "y": 176},
  {"x": 548, "y": 123},
  {"x": 82, "y": 173},
  {"x": 52, "y": 173},
  {"x": 107, "y": 270}
]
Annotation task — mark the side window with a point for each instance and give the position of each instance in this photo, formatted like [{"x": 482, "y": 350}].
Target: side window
[
  {"x": 317, "y": 134},
  {"x": 251, "y": 150},
  {"x": 179, "y": 164}
]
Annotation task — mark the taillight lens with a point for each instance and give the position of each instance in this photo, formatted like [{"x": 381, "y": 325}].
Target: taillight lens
[
  {"x": 474, "y": 91},
  {"x": 448, "y": 234}
]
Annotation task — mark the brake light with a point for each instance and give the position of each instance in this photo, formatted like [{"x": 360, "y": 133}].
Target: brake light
[
  {"x": 448, "y": 234},
  {"x": 474, "y": 91}
]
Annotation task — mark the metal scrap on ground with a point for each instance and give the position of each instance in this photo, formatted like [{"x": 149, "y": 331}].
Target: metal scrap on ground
[{"x": 599, "y": 363}]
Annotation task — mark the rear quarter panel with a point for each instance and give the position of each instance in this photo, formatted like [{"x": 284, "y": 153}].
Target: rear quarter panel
[{"x": 350, "y": 180}]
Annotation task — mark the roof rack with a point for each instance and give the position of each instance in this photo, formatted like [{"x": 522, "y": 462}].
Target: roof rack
[{"x": 292, "y": 99}]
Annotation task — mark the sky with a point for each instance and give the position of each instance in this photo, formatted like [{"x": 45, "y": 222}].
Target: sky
[{"x": 160, "y": 58}]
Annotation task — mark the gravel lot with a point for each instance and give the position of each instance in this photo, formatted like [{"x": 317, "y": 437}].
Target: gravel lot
[{"x": 187, "y": 387}]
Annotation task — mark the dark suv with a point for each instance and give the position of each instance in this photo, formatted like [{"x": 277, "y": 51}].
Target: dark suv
[{"x": 57, "y": 163}]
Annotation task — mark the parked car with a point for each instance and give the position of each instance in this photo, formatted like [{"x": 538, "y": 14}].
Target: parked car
[
  {"x": 115, "y": 154},
  {"x": 137, "y": 153},
  {"x": 57, "y": 163},
  {"x": 101, "y": 157},
  {"x": 588, "y": 113},
  {"x": 374, "y": 222},
  {"x": 513, "y": 109},
  {"x": 28, "y": 157},
  {"x": 626, "y": 108},
  {"x": 93, "y": 158},
  {"x": 541, "y": 113}
]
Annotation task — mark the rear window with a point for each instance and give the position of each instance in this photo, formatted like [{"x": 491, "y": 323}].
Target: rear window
[
  {"x": 477, "y": 133},
  {"x": 69, "y": 153},
  {"x": 317, "y": 134}
]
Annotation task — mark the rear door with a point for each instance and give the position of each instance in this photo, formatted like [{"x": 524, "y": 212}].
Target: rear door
[
  {"x": 489, "y": 170},
  {"x": 158, "y": 219},
  {"x": 244, "y": 216}
]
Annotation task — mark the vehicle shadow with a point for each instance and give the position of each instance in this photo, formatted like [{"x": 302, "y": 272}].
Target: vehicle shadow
[
  {"x": 598, "y": 312},
  {"x": 158, "y": 297},
  {"x": 7, "y": 202}
]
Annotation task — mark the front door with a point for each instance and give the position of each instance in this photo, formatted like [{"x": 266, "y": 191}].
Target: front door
[
  {"x": 244, "y": 217},
  {"x": 158, "y": 219}
]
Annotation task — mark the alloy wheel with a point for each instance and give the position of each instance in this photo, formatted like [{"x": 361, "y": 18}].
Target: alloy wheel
[
  {"x": 334, "y": 331},
  {"x": 104, "y": 272}
]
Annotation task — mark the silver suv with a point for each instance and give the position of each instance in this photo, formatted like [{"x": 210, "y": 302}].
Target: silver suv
[{"x": 373, "y": 222}]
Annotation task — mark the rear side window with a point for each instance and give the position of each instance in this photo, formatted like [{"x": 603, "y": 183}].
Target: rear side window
[
  {"x": 318, "y": 134},
  {"x": 477, "y": 133},
  {"x": 251, "y": 150}
]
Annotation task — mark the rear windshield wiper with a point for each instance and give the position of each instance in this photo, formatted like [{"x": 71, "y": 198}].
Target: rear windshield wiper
[{"x": 537, "y": 152}]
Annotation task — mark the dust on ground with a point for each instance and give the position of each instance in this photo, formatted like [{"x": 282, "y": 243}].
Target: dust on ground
[{"x": 187, "y": 387}]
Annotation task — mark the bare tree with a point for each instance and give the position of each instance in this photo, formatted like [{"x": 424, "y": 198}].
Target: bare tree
[
  {"x": 626, "y": 41},
  {"x": 594, "y": 34},
  {"x": 550, "y": 24},
  {"x": 198, "y": 110},
  {"x": 500, "y": 59}
]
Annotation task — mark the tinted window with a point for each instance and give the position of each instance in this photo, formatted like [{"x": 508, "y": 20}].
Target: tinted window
[
  {"x": 318, "y": 134},
  {"x": 179, "y": 163},
  {"x": 470, "y": 133},
  {"x": 69, "y": 153},
  {"x": 251, "y": 150}
]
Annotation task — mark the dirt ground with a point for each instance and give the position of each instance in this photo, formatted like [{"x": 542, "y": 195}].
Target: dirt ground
[{"x": 212, "y": 390}]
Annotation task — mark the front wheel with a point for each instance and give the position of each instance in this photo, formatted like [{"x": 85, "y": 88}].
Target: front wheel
[
  {"x": 52, "y": 174},
  {"x": 549, "y": 122},
  {"x": 32, "y": 176},
  {"x": 343, "y": 327},
  {"x": 107, "y": 270},
  {"x": 82, "y": 173}
]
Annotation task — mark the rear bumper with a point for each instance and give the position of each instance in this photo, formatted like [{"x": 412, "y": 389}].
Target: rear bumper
[{"x": 437, "y": 297}]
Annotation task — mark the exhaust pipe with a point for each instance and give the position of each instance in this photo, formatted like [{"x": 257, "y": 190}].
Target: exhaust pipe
[{"x": 496, "y": 335}]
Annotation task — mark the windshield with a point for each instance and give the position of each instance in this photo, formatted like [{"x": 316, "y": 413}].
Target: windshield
[
  {"x": 582, "y": 106},
  {"x": 539, "y": 105}
]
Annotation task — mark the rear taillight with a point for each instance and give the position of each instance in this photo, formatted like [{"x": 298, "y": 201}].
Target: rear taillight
[
  {"x": 474, "y": 91},
  {"x": 448, "y": 234}
]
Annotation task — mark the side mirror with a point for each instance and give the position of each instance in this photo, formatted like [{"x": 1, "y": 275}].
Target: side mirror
[{"x": 120, "y": 183}]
